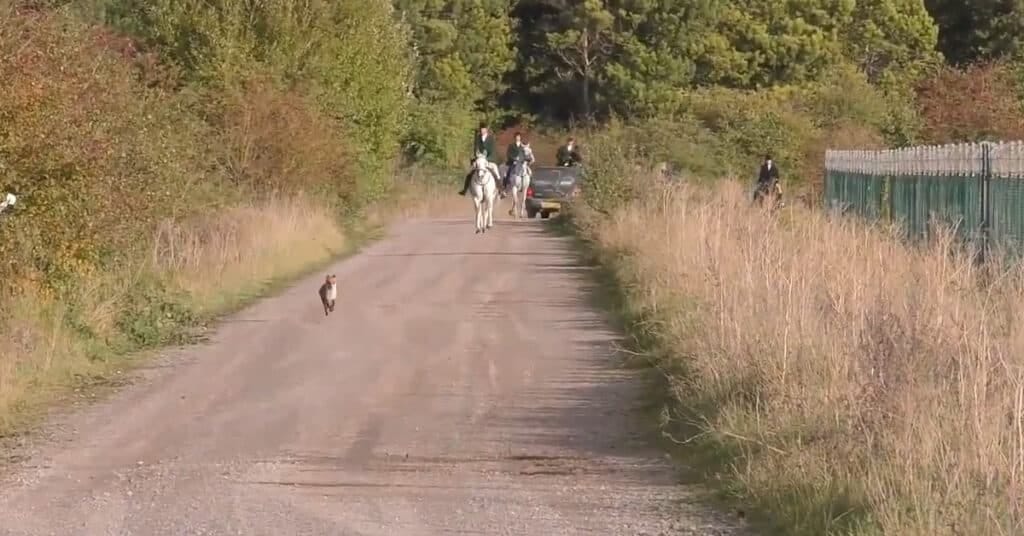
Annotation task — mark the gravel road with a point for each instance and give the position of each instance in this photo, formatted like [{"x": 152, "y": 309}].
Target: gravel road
[{"x": 464, "y": 386}]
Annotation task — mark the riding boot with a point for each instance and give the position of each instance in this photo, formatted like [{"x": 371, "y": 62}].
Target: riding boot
[
  {"x": 504, "y": 182},
  {"x": 465, "y": 186}
]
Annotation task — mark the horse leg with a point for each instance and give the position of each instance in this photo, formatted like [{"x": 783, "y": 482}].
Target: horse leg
[
  {"x": 522, "y": 203},
  {"x": 490, "y": 210},
  {"x": 522, "y": 199},
  {"x": 479, "y": 214}
]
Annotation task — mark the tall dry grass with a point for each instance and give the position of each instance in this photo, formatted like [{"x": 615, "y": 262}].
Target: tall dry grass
[
  {"x": 851, "y": 384},
  {"x": 222, "y": 257},
  {"x": 422, "y": 193}
]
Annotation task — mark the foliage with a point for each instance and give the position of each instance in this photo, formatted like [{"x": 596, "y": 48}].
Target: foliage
[
  {"x": 978, "y": 30},
  {"x": 277, "y": 141},
  {"x": 329, "y": 51},
  {"x": 93, "y": 156},
  {"x": 719, "y": 132},
  {"x": 439, "y": 133},
  {"x": 152, "y": 313},
  {"x": 977, "y": 103},
  {"x": 883, "y": 35},
  {"x": 464, "y": 49},
  {"x": 633, "y": 57}
]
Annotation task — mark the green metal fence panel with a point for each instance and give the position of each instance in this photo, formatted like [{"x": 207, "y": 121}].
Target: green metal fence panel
[
  {"x": 978, "y": 189},
  {"x": 1007, "y": 208},
  {"x": 903, "y": 203},
  {"x": 857, "y": 192},
  {"x": 953, "y": 202},
  {"x": 921, "y": 187}
]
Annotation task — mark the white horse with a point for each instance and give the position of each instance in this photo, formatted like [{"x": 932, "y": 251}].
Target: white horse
[
  {"x": 519, "y": 181},
  {"x": 484, "y": 186}
]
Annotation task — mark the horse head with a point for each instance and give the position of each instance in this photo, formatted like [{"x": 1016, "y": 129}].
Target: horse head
[
  {"x": 527, "y": 154},
  {"x": 481, "y": 167},
  {"x": 523, "y": 161},
  {"x": 480, "y": 162}
]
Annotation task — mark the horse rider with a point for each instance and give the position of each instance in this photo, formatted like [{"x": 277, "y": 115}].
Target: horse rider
[
  {"x": 483, "y": 142},
  {"x": 568, "y": 154},
  {"x": 514, "y": 151},
  {"x": 767, "y": 177}
]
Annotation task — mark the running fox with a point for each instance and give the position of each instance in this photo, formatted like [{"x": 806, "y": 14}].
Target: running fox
[{"x": 329, "y": 293}]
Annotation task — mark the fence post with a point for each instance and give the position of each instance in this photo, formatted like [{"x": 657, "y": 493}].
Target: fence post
[{"x": 986, "y": 204}]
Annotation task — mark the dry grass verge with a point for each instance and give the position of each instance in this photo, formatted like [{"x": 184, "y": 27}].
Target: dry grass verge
[
  {"x": 422, "y": 193},
  {"x": 229, "y": 255},
  {"x": 847, "y": 384}
]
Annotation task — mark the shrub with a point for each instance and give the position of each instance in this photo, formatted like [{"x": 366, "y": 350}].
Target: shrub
[
  {"x": 331, "y": 51},
  {"x": 979, "y": 102},
  {"x": 275, "y": 140},
  {"x": 440, "y": 134},
  {"x": 95, "y": 158}
]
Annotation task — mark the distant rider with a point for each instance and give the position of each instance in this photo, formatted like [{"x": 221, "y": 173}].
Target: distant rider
[
  {"x": 514, "y": 151},
  {"x": 767, "y": 177},
  {"x": 568, "y": 154},
  {"x": 483, "y": 142}
]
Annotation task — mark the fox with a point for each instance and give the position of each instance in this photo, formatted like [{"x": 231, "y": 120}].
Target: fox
[{"x": 328, "y": 293}]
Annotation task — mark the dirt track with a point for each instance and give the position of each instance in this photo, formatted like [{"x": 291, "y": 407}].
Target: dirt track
[{"x": 463, "y": 387}]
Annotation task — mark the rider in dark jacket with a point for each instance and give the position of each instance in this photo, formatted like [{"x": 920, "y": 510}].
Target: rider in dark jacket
[
  {"x": 769, "y": 173},
  {"x": 767, "y": 177},
  {"x": 511, "y": 154},
  {"x": 568, "y": 154},
  {"x": 483, "y": 142}
]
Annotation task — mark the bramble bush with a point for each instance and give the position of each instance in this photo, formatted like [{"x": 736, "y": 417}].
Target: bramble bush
[
  {"x": 327, "y": 54},
  {"x": 93, "y": 156},
  {"x": 975, "y": 103}
]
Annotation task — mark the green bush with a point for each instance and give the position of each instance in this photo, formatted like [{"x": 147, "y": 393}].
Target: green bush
[
  {"x": 440, "y": 133},
  {"x": 330, "y": 52},
  {"x": 95, "y": 157}
]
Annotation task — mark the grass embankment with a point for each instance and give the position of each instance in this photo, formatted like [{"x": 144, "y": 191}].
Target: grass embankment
[{"x": 823, "y": 373}]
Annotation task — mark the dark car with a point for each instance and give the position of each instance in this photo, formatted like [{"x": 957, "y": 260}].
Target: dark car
[{"x": 550, "y": 187}]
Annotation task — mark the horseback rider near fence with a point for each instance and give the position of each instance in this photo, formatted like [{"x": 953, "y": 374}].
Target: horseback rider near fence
[{"x": 767, "y": 179}]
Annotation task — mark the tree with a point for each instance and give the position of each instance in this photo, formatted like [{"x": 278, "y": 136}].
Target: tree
[
  {"x": 888, "y": 34},
  {"x": 351, "y": 57},
  {"x": 583, "y": 47},
  {"x": 658, "y": 41},
  {"x": 762, "y": 43},
  {"x": 464, "y": 50},
  {"x": 972, "y": 30}
]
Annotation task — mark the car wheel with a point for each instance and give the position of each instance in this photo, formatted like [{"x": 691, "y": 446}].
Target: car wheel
[{"x": 544, "y": 215}]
